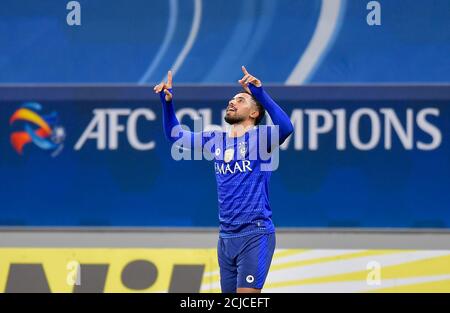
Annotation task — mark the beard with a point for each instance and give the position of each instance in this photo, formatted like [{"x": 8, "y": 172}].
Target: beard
[{"x": 233, "y": 119}]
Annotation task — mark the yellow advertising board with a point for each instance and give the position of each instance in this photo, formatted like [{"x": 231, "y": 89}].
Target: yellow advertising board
[{"x": 196, "y": 270}]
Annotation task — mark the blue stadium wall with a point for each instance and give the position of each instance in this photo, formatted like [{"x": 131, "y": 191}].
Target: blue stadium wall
[
  {"x": 360, "y": 156},
  {"x": 208, "y": 41},
  {"x": 382, "y": 160}
]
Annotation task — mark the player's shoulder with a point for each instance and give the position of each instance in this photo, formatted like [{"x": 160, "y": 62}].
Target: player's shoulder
[{"x": 264, "y": 129}]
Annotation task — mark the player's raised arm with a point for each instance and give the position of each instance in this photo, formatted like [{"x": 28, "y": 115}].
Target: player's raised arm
[
  {"x": 276, "y": 113},
  {"x": 170, "y": 121},
  {"x": 164, "y": 89}
]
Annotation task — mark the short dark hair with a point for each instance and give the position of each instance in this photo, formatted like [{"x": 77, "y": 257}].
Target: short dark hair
[{"x": 259, "y": 106}]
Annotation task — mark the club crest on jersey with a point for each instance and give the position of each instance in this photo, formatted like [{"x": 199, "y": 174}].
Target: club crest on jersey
[
  {"x": 229, "y": 153},
  {"x": 242, "y": 149}
]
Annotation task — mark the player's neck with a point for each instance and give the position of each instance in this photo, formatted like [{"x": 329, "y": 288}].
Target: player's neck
[{"x": 238, "y": 130}]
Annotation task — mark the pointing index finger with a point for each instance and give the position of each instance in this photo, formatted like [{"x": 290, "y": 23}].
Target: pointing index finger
[{"x": 244, "y": 70}]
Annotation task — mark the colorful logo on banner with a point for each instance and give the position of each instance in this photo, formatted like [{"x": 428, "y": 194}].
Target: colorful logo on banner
[{"x": 44, "y": 131}]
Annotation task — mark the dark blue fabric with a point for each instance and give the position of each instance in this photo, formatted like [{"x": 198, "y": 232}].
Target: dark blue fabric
[{"x": 245, "y": 261}]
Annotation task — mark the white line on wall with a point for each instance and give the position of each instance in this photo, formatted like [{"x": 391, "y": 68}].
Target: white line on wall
[
  {"x": 327, "y": 26},
  {"x": 173, "y": 5},
  {"x": 191, "y": 39}
]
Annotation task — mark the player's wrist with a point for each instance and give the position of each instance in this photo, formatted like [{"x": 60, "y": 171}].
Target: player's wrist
[
  {"x": 162, "y": 96},
  {"x": 255, "y": 90}
]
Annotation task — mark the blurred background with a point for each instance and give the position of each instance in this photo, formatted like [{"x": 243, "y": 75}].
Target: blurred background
[{"x": 92, "y": 200}]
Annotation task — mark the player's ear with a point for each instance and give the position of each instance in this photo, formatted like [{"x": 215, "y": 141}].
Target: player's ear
[{"x": 254, "y": 114}]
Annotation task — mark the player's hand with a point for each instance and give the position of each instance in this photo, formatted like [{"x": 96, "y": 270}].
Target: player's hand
[
  {"x": 248, "y": 79},
  {"x": 165, "y": 87}
]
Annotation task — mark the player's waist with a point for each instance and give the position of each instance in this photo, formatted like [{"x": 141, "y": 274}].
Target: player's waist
[{"x": 233, "y": 230}]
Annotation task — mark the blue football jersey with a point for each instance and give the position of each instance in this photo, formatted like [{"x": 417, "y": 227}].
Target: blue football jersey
[
  {"x": 243, "y": 165},
  {"x": 242, "y": 184}
]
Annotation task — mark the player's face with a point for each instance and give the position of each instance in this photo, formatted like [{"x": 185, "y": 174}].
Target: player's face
[{"x": 239, "y": 108}]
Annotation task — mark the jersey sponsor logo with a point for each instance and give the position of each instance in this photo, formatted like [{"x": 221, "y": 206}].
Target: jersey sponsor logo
[
  {"x": 228, "y": 155},
  {"x": 242, "y": 167},
  {"x": 250, "y": 279}
]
